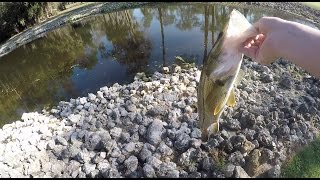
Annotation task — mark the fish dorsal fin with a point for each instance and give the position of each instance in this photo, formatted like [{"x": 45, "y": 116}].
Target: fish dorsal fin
[{"x": 231, "y": 99}]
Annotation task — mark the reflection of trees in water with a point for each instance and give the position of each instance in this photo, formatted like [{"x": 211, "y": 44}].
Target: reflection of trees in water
[
  {"x": 130, "y": 46},
  {"x": 162, "y": 37},
  {"x": 32, "y": 75},
  {"x": 206, "y": 22},
  {"x": 147, "y": 16},
  {"x": 188, "y": 18}
]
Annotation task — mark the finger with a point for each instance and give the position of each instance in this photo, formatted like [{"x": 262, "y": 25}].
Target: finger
[{"x": 249, "y": 52}]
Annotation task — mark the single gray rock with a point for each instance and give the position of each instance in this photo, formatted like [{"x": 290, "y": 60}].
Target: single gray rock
[
  {"x": 168, "y": 170},
  {"x": 145, "y": 153},
  {"x": 207, "y": 164},
  {"x": 164, "y": 149},
  {"x": 72, "y": 167},
  {"x": 114, "y": 173},
  {"x": 88, "y": 168},
  {"x": 94, "y": 142},
  {"x": 266, "y": 77},
  {"x": 229, "y": 170},
  {"x": 148, "y": 171},
  {"x": 153, "y": 161},
  {"x": 182, "y": 142},
  {"x": 195, "y": 175},
  {"x": 155, "y": 131},
  {"x": 237, "y": 158},
  {"x": 82, "y": 157},
  {"x": 61, "y": 140},
  {"x": 50, "y": 145},
  {"x": 196, "y": 133},
  {"x": 131, "y": 108},
  {"x": 233, "y": 124},
  {"x": 131, "y": 164},
  {"x": 75, "y": 117},
  {"x": 130, "y": 147},
  {"x": 92, "y": 97},
  {"x": 125, "y": 137},
  {"x": 116, "y": 132},
  {"x": 286, "y": 82},
  {"x": 142, "y": 130},
  {"x": 274, "y": 172},
  {"x": 196, "y": 143},
  {"x": 239, "y": 172}
]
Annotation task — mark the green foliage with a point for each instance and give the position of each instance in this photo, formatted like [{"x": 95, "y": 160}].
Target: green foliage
[
  {"x": 16, "y": 16},
  {"x": 305, "y": 164}
]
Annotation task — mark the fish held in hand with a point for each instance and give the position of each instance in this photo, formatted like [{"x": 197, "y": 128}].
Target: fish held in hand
[{"x": 221, "y": 71}]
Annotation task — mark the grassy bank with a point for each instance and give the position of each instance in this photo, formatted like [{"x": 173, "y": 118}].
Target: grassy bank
[
  {"x": 305, "y": 164},
  {"x": 315, "y": 5}
]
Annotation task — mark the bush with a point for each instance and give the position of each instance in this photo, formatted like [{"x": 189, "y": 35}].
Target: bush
[{"x": 17, "y": 16}]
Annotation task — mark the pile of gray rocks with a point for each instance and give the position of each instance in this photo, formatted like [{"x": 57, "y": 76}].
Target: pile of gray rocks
[{"x": 149, "y": 128}]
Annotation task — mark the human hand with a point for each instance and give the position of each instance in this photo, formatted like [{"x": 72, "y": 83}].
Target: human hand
[{"x": 265, "y": 47}]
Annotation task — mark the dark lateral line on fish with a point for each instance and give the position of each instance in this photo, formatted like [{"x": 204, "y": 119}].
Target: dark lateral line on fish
[
  {"x": 215, "y": 43},
  {"x": 219, "y": 37},
  {"x": 222, "y": 82}
]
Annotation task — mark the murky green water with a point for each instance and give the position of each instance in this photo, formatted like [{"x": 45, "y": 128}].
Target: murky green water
[{"x": 107, "y": 49}]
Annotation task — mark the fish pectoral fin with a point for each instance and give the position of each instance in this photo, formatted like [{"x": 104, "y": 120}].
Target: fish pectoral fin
[
  {"x": 218, "y": 108},
  {"x": 231, "y": 99}
]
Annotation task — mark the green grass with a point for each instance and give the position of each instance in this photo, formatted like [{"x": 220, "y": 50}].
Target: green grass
[
  {"x": 315, "y": 5},
  {"x": 305, "y": 164}
]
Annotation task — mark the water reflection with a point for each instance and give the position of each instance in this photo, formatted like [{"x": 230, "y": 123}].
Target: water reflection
[{"x": 82, "y": 57}]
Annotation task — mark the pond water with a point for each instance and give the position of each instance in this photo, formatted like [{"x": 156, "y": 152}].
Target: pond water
[{"x": 109, "y": 48}]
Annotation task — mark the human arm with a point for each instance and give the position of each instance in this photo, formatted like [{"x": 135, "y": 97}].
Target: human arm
[{"x": 293, "y": 41}]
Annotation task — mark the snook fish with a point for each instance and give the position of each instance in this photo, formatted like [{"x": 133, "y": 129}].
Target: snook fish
[{"x": 220, "y": 71}]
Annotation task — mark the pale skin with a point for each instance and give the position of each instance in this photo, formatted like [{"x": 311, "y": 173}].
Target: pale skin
[{"x": 279, "y": 38}]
